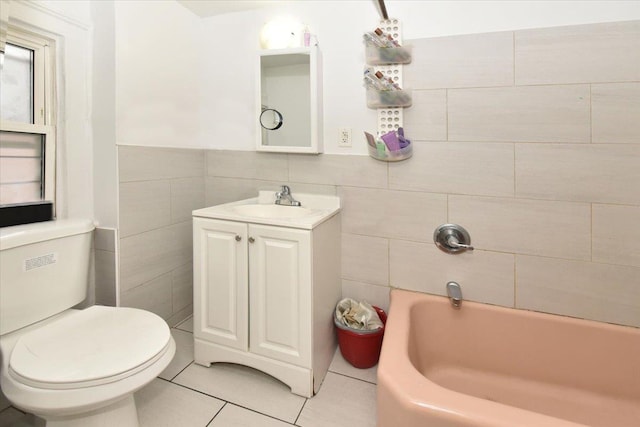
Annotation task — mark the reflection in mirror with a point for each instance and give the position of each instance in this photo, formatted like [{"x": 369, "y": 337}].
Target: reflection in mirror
[
  {"x": 285, "y": 88},
  {"x": 288, "y": 88},
  {"x": 270, "y": 119}
]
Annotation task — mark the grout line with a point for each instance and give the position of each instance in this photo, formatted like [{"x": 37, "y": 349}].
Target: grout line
[
  {"x": 182, "y": 370},
  {"x": 513, "y": 38},
  {"x": 429, "y": 242},
  {"x": 591, "y": 229},
  {"x": 388, "y": 264},
  {"x": 14, "y": 408},
  {"x": 448, "y": 202},
  {"x": 353, "y": 378},
  {"x": 216, "y": 414},
  {"x": 300, "y": 412},
  {"x": 591, "y": 113},
  {"x": 515, "y": 183},
  {"x": 263, "y": 414},
  {"x": 446, "y": 115},
  {"x": 515, "y": 280},
  {"x": 194, "y": 389}
]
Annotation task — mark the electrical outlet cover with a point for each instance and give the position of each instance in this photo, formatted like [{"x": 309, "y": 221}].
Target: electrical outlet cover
[{"x": 344, "y": 137}]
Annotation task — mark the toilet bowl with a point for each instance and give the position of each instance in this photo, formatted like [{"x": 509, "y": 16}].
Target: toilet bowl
[
  {"x": 73, "y": 368},
  {"x": 82, "y": 367}
]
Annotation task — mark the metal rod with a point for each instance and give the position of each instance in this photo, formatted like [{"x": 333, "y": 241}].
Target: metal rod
[{"x": 383, "y": 9}]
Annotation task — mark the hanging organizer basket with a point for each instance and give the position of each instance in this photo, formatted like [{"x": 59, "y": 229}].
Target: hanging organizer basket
[
  {"x": 392, "y": 156},
  {"x": 387, "y": 55},
  {"x": 390, "y": 104},
  {"x": 388, "y": 98}
]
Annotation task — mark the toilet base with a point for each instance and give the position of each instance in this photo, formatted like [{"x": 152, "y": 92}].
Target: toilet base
[{"x": 122, "y": 413}]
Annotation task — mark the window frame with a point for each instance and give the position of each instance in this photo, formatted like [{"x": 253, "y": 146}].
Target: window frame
[{"x": 44, "y": 118}]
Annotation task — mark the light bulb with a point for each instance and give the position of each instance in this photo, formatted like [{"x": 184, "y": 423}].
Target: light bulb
[{"x": 281, "y": 33}]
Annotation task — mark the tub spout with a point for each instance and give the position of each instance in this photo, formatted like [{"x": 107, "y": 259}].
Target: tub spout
[{"x": 454, "y": 292}]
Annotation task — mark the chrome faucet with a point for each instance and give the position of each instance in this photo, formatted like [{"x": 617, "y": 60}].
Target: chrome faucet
[
  {"x": 284, "y": 197},
  {"x": 454, "y": 292}
]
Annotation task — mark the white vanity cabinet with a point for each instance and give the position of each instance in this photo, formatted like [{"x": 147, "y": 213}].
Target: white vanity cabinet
[{"x": 264, "y": 296}]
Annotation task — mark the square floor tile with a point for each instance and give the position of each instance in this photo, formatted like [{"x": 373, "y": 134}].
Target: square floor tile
[
  {"x": 235, "y": 416},
  {"x": 340, "y": 366},
  {"x": 245, "y": 387},
  {"x": 162, "y": 403},
  {"x": 186, "y": 325},
  {"x": 183, "y": 356},
  {"x": 341, "y": 401}
]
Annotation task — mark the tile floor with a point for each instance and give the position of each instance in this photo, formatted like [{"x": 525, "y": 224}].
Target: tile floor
[{"x": 227, "y": 395}]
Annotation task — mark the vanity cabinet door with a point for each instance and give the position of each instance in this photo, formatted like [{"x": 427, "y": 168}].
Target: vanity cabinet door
[
  {"x": 280, "y": 293},
  {"x": 220, "y": 282}
]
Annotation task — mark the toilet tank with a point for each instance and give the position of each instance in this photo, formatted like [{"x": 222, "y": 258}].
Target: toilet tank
[{"x": 44, "y": 270}]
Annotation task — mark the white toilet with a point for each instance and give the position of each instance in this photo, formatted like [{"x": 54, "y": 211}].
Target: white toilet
[{"x": 73, "y": 368}]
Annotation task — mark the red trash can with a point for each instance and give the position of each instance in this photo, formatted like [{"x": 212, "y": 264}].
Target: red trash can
[{"x": 361, "y": 348}]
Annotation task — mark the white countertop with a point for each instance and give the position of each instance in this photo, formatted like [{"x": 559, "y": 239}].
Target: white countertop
[{"x": 322, "y": 208}]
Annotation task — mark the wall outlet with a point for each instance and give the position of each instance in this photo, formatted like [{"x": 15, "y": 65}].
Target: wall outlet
[{"x": 344, "y": 137}]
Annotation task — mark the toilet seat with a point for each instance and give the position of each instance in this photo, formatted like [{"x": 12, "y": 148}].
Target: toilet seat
[{"x": 94, "y": 346}]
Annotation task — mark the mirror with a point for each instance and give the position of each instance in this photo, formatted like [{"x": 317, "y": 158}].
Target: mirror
[
  {"x": 270, "y": 119},
  {"x": 289, "y": 101}
]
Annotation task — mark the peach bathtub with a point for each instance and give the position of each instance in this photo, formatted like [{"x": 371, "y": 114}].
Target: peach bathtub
[{"x": 490, "y": 366}]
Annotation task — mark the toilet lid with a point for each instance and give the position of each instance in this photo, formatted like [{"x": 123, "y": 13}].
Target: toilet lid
[{"x": 93, "y": 346}]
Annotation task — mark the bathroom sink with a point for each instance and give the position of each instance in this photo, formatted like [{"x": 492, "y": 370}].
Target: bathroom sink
[
  {"x": 315, "y": 209},
  {"x": 273, "y": 211}
]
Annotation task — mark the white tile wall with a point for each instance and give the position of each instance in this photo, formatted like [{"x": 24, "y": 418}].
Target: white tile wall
[
  {"x": 474, "y": 60},
  {"x": 615, "y": 108},
  {"x": 159, "y": 187},
  {"x": 602, "y": 173},
  {"x": 147, "y": 255},
  {"x": 427, "y": 117},
  {"x": 187, "y": 194},
  {"x": 365, "y": 258},
  {"x": 552, "y": 113},
  {"x": 154, "y": 296},
  {"x": 247, "y": 164},
  {"x": 604, "y": 292},
  {"x": 105, "y": 265},
  {"x": 329, "y": 169},
  {"x": 608, "y": 52},
  {"x": 373, "y": 294},
  {"x": 105, "y": 260},
  {"x": 483, "y": 276},
  {"x": 182, "y": 287},
  {"x": 616, "y": 233},
  {"x": 399, "y": 214},
  {"x": 144, "y": 163},
  {"x": 144, "y": 206},
  {"x": 535, "y": 227},
  {"x": 460, "y": 168}
]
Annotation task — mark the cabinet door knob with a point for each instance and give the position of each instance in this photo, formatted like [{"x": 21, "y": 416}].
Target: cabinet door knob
[
  {"x": 238, "y": 238},
  {"x": 251, "y": 240}
]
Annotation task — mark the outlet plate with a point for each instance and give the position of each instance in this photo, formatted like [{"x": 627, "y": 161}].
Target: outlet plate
[{"x": 344, "y": 137}]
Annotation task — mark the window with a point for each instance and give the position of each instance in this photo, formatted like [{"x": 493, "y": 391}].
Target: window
[{"x": 27, "y": 130}]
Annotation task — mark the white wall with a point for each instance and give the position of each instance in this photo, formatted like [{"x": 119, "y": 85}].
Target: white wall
[
  {"x": 186, "y": 81},
  {"x": 103, "y": 117},
  {"x": 158, "y": 74},
  {"x": 68, "y": 23},
  {"x": 231, "y": 41}
]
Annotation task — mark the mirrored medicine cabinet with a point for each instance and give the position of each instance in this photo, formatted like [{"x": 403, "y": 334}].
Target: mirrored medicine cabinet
[{"x": 289, "y": 100}]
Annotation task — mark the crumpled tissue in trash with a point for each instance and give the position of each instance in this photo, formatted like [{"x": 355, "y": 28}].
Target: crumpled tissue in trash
[{"x": 357, "y": 315}]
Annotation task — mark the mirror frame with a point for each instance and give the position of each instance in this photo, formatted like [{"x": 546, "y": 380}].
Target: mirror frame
[{"x": 315, "y": 107}]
